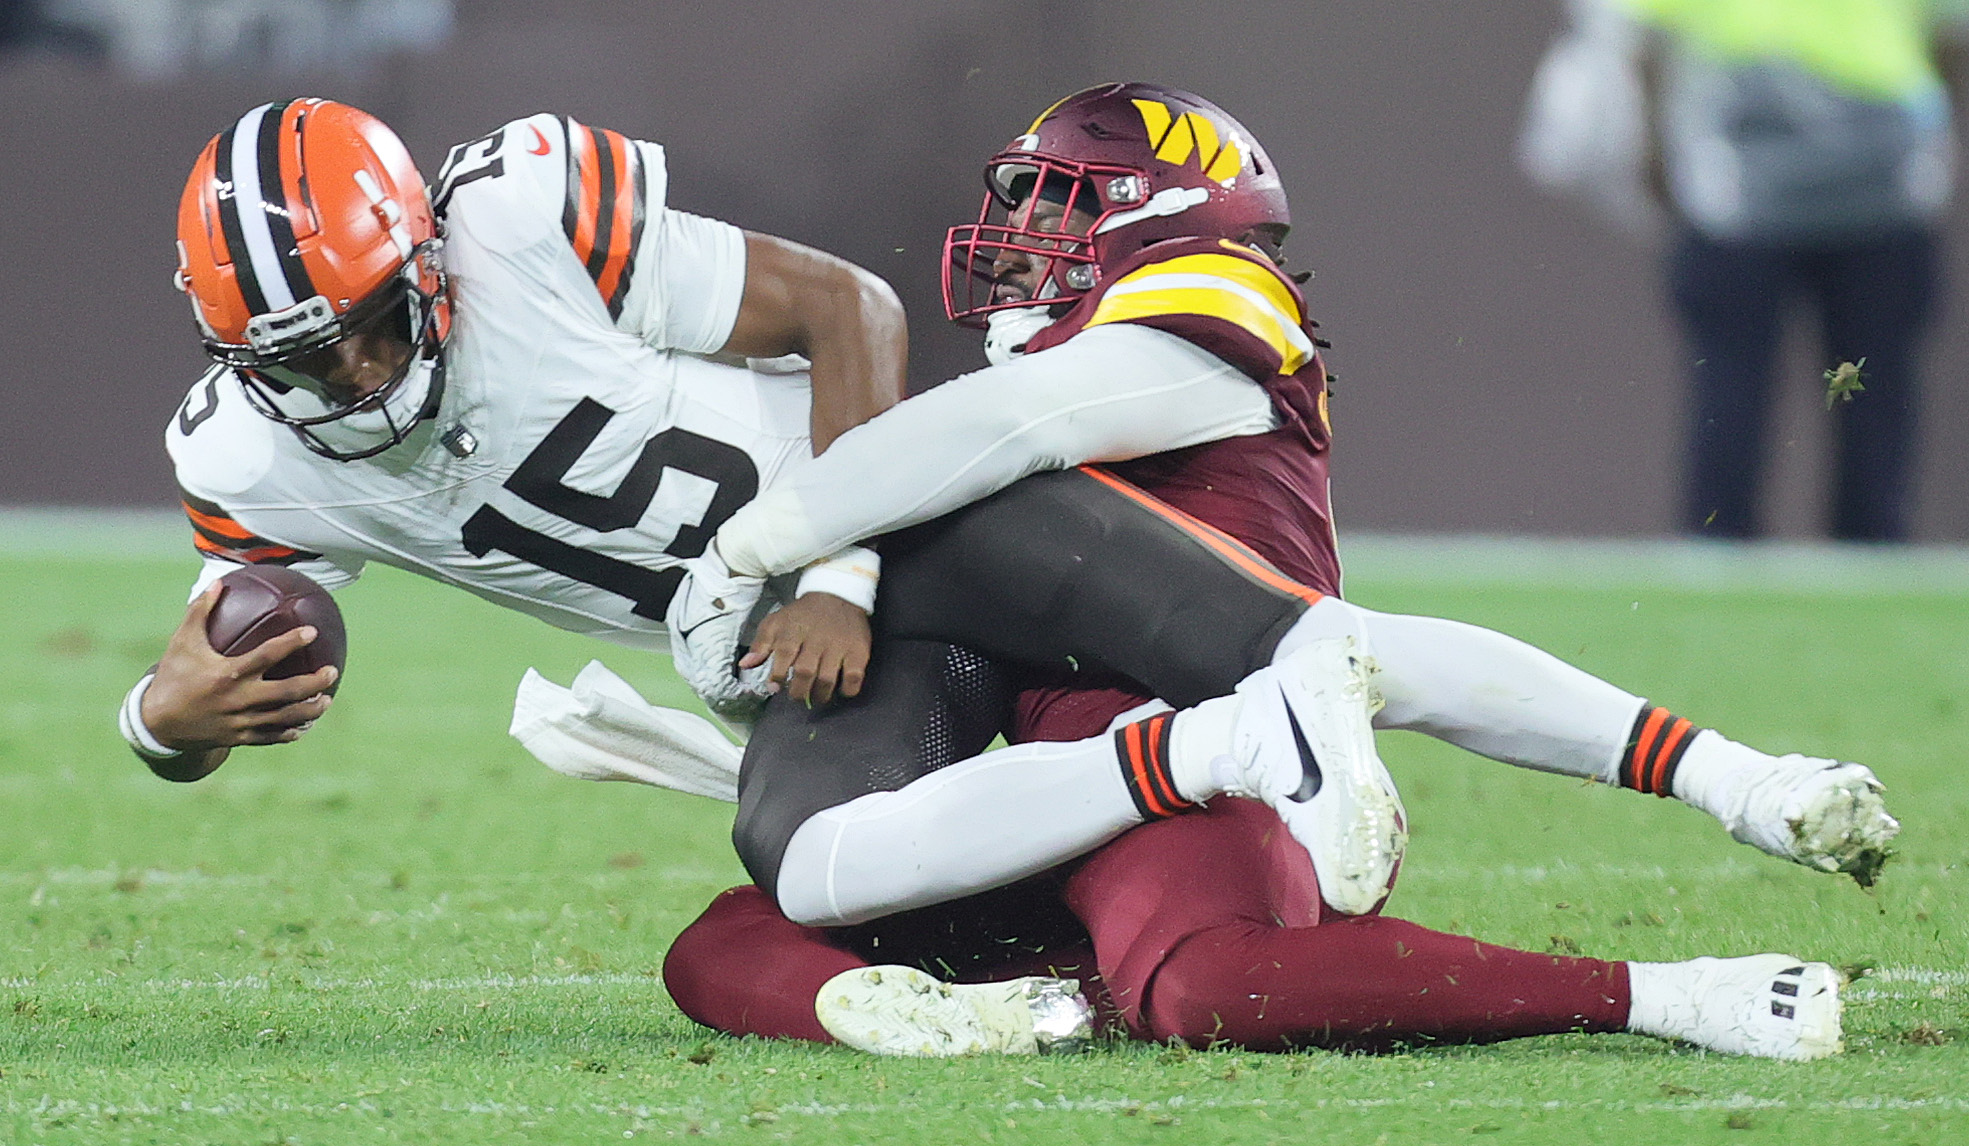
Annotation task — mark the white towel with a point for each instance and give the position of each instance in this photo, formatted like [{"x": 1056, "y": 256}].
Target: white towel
[{"x": 602, "y": 729}]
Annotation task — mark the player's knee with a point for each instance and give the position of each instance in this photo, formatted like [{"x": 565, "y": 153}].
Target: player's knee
[
  {"x": 759, "y": 836},
  {"x": 1190, "y": 997},
  {"x": 699, "y": 959}
]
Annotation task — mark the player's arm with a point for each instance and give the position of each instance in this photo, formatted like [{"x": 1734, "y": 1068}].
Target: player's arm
[
  {"x": 680, "y": 281},
  {"x": 844, "y": 320},
  {"x": 849, "y": 324},
  {"x": 188, "y": 713},
  {"x": 1115, "y": 392}
]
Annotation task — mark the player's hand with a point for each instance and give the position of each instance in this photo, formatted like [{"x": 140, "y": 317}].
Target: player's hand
[
  {"x": 818, "y": 646},
  {"x": 200, "y": 700}
]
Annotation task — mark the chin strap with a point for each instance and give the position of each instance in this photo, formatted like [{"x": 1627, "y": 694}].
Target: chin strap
[
  {"x": 1008, "y": 331},
  {"x": 1173, "y": 201}
]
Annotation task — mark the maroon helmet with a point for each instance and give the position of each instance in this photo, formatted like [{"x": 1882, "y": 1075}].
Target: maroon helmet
[{"x": 1147, "y": 162}]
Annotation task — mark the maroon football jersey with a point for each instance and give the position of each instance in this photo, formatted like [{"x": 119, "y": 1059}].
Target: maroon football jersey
[{"x": 1268, "y": 491}]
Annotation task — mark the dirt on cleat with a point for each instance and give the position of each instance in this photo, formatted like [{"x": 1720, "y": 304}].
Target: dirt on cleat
[{"x": 1865, "y": 868}]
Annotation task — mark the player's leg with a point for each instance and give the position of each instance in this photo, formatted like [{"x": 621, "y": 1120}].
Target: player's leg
[
  {"x": 888, "y": 802},
  {"x": 866, "y": 851},
  {"x": 1066, "y": 568},
  {"x": 923, "y": 706},
  {"x": 1208, "y": 929},
  {"x": 744, "y": 969},
  {"x": 1502, "y": 698}
]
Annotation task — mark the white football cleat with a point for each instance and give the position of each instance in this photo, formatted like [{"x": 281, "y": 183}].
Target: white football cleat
[
  {"x": 1303, "y": 742},
  {"x": 1768, "y": 1006},
  {"x": 896, "y": 1010},
  {"x": 1821, "y": 813}
]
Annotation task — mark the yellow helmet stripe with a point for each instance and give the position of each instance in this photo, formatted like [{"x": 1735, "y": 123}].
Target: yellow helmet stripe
[
  {"x": 1206, "y": 138},
  {"x": 1051, "y": 110},
  {"x": 1180, "y": 142}
]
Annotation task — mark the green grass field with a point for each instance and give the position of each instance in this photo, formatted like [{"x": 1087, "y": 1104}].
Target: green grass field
[{"x": 405, "y": 930}]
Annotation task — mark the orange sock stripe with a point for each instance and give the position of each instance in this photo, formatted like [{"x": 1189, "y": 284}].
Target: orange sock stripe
[
  {"x": 1223, "y": 544},
  {"x": 1655, "y": 747},
  {"x": 1135, "y": 770},
  {"x": 1156, "y": 732},
  {"x": 1668, "y": 754},
  {"x": 1143, "y": 750}
]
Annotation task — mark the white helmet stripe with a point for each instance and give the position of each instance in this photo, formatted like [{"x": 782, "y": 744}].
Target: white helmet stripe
[{"x": 249, "y": 199}]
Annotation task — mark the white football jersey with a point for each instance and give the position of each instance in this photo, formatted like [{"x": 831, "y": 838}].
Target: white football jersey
[{"x": 586, "y": 441}]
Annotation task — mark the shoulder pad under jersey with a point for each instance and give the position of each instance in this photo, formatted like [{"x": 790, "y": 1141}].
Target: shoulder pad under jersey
[
  {"x": 1223, "y": 296},
  {"x": 218, "y": 444},
  {"x": 222, "y": 450},
  {"x": 549, "y": 175}
]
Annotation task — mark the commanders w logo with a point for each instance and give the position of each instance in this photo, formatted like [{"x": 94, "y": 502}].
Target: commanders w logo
[{"x": 1177, "y": 138}]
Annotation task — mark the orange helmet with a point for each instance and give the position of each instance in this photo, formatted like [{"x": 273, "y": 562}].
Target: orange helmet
[{"x": 304, "y": 224}]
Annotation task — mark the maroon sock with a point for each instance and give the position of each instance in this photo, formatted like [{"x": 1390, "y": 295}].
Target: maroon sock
[
  {"x": 1368, "y": 983},
  {"x": 745, "y": 969}
]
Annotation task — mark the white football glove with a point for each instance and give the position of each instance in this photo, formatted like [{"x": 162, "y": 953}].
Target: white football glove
[{"x": 707, "y": 621}]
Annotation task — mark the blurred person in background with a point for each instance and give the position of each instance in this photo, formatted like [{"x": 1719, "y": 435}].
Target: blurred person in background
[{"x": 1803, "y": 150}]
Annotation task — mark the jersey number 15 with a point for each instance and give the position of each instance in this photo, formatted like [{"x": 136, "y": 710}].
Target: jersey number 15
[{"x": 539, "y": 480}]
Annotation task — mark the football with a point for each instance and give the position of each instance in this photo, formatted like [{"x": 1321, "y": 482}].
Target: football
[{"x": 263, "y": 601}]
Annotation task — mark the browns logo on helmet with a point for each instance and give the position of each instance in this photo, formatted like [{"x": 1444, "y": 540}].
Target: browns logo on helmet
[
  {"x": 1145, "y": 162},
  {"x": 305, "y": 233}
]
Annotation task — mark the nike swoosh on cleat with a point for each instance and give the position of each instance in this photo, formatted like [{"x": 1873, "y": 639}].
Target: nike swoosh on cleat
[
  {"x": 539, "y": 141},
  {"x": 1309, "y": 766}
]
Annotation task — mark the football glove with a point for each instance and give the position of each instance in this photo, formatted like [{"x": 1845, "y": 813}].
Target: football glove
[{"x": 707, "y": 620}]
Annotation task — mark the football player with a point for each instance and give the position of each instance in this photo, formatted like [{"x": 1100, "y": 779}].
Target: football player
[
  {"x": 1139, "y": 224},
  {"x": 538, "y": 383},
  {"x": 1207, "y": 924}
]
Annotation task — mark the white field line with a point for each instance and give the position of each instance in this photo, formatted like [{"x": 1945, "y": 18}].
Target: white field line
[
  {"x": 1914, "y": 977},
  {"x": 47, "y": 1106},
  {"x": 153, "y": 877},
  {"x": 1462, "y": 559},
  {"x": 324, "y": 984},
  {"x": 1522, "y": 873}
]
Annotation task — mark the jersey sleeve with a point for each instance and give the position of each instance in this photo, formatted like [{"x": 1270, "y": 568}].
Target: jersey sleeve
[
  {"x": 1219, "y": 295},
  {"x": 596, "y": 198},
  {"x": 224, "y": 545},
  {"x": 1120, "y": 392}
]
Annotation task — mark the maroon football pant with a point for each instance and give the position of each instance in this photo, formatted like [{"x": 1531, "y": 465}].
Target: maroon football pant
[{"x": 1207, "y": 928}]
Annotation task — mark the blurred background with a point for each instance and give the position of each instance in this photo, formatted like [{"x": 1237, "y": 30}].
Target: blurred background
[{"x": 1507, "y": 362}]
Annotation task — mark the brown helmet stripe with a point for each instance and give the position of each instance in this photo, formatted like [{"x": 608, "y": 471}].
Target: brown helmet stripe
[{"x": 249, "y": 283}]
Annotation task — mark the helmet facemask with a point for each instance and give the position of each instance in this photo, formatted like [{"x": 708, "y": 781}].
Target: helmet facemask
[
  {"x": 1145, "y": 164},
  {"x": 302, "y": 381},
  {"x": 1053, "y": 228}
]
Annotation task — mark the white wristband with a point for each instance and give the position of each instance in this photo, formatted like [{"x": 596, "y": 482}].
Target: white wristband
[
  {"x": 851, "y": 574},
  {"x": 130, "y": 721}
]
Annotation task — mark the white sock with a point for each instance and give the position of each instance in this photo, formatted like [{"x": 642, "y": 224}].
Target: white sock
[
  {"x": 1661, "y": 999},
  {"x": 1200, "y": 739},
  {"x": 1711, "y": 759}
]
